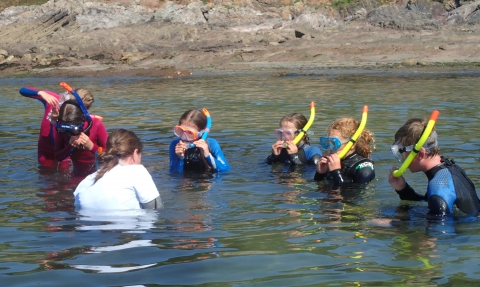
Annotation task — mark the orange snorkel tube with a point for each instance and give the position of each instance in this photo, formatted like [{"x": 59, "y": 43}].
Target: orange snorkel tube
[
  {"x": 423, "y": 138},
  {"x": 357, "y": 134}
]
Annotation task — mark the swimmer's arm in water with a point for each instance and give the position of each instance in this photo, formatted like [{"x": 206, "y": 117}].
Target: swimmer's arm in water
[
  {"x": 176, "y": 162},
  {"x": 216, "y": 153},
  {"x": 154, "y": 204},
  {"x": 407, "y": 193}
]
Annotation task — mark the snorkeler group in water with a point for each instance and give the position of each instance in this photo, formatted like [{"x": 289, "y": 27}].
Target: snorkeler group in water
[{"x": 116, "y": 179}]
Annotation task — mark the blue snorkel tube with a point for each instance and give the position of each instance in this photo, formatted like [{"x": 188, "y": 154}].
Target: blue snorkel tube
[
  {"x": 88, "y": 118},
  {"x": 207, "y": 129}
]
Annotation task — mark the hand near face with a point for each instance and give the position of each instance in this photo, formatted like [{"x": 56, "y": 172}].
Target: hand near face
[
  {"x": 322, "y": 165},
  {"x": 82, "y": 141},
  {"x": 180, "y": 149},
  {"x": 398, "y": 183},
  {"x": 202, "y": 144},
  {"x": 277, "y": 147},
  {"x": 334, "y": 161},
  {"x": 291, "y": 147}
]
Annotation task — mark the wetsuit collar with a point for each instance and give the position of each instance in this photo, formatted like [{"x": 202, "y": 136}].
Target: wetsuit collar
[{"x": 431, "y": 172}]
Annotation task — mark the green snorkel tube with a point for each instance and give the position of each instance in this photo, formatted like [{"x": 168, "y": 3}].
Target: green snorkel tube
[
  {"x": 423, "y": 138},
  {"x": 299, "y": 137},
  {"x": 357, "y": 134}
]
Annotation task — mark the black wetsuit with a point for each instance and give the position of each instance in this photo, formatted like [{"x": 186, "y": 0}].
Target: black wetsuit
[
  {"x": 448, "y": 185},
  {"x": 355, "y": 169},
  {"x": 306, "y": 155}
]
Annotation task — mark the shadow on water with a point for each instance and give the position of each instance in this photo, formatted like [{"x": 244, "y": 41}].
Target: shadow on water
[{"x": 256, "y": 224}]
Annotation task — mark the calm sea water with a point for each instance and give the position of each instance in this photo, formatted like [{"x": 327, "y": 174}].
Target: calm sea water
[{"x": 257, "y": 225}]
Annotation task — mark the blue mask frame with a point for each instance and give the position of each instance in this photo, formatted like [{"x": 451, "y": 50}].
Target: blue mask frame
[{"x": 332, "y": 143}]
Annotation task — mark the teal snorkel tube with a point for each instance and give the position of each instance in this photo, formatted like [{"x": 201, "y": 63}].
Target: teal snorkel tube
[{"x": 207, "y": 129}]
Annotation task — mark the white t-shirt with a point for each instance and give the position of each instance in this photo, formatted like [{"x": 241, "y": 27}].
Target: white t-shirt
[{"x": 123, "y": 187}]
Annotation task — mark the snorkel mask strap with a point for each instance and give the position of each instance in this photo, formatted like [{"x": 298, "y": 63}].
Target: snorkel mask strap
[
  {"x": 356, "y": 135},
  {"x": 304, "y": 130},
  {"x": 87, "y": 116},
  {"x": 418, "y": 146}
]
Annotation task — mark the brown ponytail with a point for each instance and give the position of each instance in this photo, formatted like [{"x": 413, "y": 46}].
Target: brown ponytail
[{"x": 121, "y": 143}]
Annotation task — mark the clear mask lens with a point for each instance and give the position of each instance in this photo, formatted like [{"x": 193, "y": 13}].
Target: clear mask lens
[{"x": 285, "y": 134}]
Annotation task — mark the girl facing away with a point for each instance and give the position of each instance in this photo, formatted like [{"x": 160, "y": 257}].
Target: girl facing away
[
  {"x": 122, "y": 182},
  {"x": 189, "y": 152},
  {"x": 51, "y": 102},
  {"x": 356, "y": 166},
  {"x": 284, "y": 150},
  {"x": 78, "y": 137}
]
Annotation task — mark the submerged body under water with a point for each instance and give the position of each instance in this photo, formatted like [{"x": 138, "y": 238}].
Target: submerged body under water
[{"x": 255, "y": 224}]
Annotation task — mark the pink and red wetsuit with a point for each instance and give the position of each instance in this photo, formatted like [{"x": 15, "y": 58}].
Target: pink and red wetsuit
[
  {"x": 83, "y": 160},
  {"x": 46, "y": 139}
]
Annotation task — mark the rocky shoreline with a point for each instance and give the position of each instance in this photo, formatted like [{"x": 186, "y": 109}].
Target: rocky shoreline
[{"x": 165, "y": 39}]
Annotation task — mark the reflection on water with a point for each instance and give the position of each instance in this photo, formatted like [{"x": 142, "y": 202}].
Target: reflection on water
[{"x": 257, "y": 224}]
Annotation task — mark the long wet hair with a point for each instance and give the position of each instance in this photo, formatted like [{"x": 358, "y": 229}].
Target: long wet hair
[
  {"x": 347, "y": 128},
  {"x": 195, "y": 117},
  {"x": 299, "y": 121},
  {"x": 121, "y": 144},
  {"x": 411, "y": 132}
]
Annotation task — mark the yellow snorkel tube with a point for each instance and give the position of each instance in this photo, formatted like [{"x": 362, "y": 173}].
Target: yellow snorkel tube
[
  {"x": 423, "y": 138},
  {"x": 299, "y": 137},
  {"x": 357, "y": 134}
]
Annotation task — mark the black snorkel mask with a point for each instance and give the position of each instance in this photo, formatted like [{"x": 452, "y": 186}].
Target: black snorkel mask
[{"x": 69, "y": 128}]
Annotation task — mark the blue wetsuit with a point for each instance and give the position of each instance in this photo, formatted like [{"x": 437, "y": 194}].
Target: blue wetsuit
[
  {"x": 448, "y": 185},
  {"x": 354, "y": 169},
  {"x": 306, "y": 154},
  {"x": 194, "y": 161}
]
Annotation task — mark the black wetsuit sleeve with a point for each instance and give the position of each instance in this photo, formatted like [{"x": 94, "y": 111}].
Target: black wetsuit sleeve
[
  {"x": 314, "y": 159},
  {"x": 437, "y": 207},
  {"x": 271, "y": 159},
  {"x": 364, "y": 175},
  {"x": 407, "y": 193},
  {"x": 294, "y": 159},
  {"x": 337, "y": 176},
  {"x": 153, "y": 204}
]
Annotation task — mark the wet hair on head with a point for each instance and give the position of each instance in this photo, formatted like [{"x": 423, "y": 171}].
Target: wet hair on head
[
  {"x": 121, "y": 144},
  {"x": 298, "y": 120},
  {"x": 86, "y": 96},
  {"x": 410, "y": 133},
  {"x": 347, "y": 128},
  {"x": 70, "y": 113},
  {"x": 196, "y": 117}
]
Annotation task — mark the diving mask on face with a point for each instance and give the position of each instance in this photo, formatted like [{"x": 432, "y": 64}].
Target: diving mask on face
[
  {"x": 399, "y": 151},
  {"x": 67, "y": 126},
  {"x": 185, "y": 133},
  {"x": 332, "y": 143},
  {"x": 285, "y": 134}
]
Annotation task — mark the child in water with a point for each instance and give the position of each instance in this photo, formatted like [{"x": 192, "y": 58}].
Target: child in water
[
  {"x": 284, "y": 150},
  {"x": 448, "y": 185},
  {"x": 79, "y": 136},
  {"x": 356, "y": 166},
  {"x": 189, "y": 152},
  {"x": 46, "y": 140},
  {"x": 122, "y": 181}
]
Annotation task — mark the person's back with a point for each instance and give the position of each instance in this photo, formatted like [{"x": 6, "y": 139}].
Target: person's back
[
  {"x": 123, "y": 187},
  {"x": 121, "y": 182}
]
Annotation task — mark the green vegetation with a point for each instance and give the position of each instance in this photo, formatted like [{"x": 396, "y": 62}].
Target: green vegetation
[
  {"x": 7, "y": 3},
  {"x": 343, "y": 3}
]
